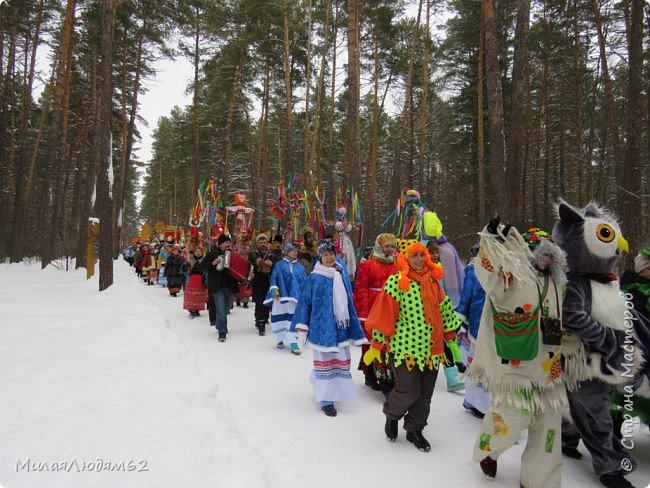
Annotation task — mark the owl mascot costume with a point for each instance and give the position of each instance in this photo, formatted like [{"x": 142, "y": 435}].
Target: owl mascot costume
[{"x": 600, "y": 350}]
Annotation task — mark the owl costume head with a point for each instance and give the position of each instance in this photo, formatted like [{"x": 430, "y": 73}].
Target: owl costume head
[{"x": 590, "y": 236}]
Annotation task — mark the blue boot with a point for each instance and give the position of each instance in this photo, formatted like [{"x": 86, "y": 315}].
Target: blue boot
[{"x": 453, "y": 383}]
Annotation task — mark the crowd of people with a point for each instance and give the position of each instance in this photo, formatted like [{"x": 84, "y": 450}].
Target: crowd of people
[{"x": 548, "y": 340}]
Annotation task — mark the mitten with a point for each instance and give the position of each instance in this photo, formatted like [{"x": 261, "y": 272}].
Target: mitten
[
  {"x": 370, "y": 356},
  {"x": 455, "y": 351}
]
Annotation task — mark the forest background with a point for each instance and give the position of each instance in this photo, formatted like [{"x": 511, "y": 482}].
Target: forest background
[{"x": 485, "y": 107}]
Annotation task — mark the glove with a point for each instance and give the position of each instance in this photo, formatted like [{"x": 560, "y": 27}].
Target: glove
[
  {"x": 370, "y": 356},
  {"x": 461, "y": 367},
  {"x": 493, "y": 224},
  {"x": 455, "y": 351}
]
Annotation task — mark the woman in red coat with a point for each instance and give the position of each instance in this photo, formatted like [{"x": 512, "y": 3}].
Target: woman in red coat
[{"x": 371, "y": 276}]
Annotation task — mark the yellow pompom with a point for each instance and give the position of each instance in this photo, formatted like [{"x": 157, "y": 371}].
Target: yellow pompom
[{"x": 432, "y": 224}]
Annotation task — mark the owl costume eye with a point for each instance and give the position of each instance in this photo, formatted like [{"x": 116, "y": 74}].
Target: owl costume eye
[{"x": 605, "y": 233}]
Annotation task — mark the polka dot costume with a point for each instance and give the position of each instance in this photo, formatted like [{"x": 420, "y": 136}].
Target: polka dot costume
[{"x": 412, "y": 342}]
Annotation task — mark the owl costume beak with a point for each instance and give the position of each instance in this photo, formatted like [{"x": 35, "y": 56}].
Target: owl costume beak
[{"x": 622, "y": 244}]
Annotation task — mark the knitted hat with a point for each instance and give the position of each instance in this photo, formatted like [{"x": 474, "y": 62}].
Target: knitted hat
[
  {"x": 289, "y": 246},
  {"x": 326, "y": 245},
  {"x": 261, "y": 235},
  {"x": 534, "y": 236},
  {"x": 222, "y": 238}
]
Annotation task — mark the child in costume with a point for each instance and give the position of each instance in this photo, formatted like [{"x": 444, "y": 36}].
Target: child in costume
[
  {"x": 287, "y": 281},
  {"x": 470, "y": 309},
  {"x": 327, "y": 322},
  {"x": 517, "y": 353},
  {"x": 602, "y": 352},
  {"x": 195, "y": 295},
  {"x": 410, "y": 321},
  {"x": 371, "y": 277}
]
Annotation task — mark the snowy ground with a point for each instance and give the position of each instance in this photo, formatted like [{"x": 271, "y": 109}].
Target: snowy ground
[{"x": 121, "y": 389}]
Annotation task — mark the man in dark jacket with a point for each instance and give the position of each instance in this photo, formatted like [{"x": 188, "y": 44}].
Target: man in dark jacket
[
  {"x": 262, "y": 260},
  {"x": 221, "y": 285}
]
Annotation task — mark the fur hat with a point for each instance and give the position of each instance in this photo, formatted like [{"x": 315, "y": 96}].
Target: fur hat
[
  {"x": 223, "y": 238},
  {"x": 261, "y": 235}
]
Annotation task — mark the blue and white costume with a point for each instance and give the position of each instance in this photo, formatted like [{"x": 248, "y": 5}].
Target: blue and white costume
[{"x": 287, "y": 281}]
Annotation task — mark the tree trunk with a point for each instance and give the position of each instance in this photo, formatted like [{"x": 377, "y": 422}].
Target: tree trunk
[
  {"x": 518, "y": 128},
  {"x": 20, "y": 203},
  {"x": 612, "y": 121},
  {"x": 91, "y": 154},
  {"x": 236, "y": 82},
  {"x": 6, "y": 131},
  {"x": 371, "y": 168},
  {"x": 332, "y": 113},
  {"x": 424, "y": 105},
  {"x": 128, "y": 130},
  {"x": 262, "y": 148},
  {"x": 56, "y": 135},
  {"x": 396, "y": 183},
  {"x": 312, "y": 175},
  {"x": 306, "y": 131},
  {"x": 480, "y": 83},
  {"x": 288, "y": 90},
  {"x": 103, "y": 140},
  {"x": 352, "y": 120},
  {"x": 630, "y": 185},
  {"x": 196, "y": 145},
  {"x": 496, "y": 153},
  {"x": 578, "y": 181}
]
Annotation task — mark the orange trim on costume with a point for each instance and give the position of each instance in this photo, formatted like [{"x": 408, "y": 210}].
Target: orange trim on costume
[{"x": 383, "y": 315}]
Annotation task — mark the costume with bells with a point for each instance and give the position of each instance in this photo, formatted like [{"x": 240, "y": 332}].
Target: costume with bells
[
  {"x": 601, "y": 353},
  {"x": 371, "y": 277},
  {"x": 410, "y": 321},
  {"x": 518, "y": 353}
]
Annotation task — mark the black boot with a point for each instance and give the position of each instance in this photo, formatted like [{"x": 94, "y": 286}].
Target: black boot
[
  {"x": 571, "y": 452},
  {"x": 489, "y": 467},
  {"x": 390, "y": 428},
  {"x": 418, "y": 440},
  {"x": 261, "y": 327},
  {"x": 615, "y": 480}
]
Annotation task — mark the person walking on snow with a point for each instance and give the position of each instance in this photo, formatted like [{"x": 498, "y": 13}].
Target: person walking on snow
[
  {"x": 410, "y": 321},
  {"x": 287, "y": 280},
  {"x": 325, "y": 318}
]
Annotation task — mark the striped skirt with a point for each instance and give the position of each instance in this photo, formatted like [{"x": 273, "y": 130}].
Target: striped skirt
[
  {"x": 281, "y": 316},
  {"x": 331, "y": 376}
]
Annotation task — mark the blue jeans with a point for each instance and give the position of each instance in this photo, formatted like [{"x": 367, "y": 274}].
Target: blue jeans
[{"x": 222, "y": 301}]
